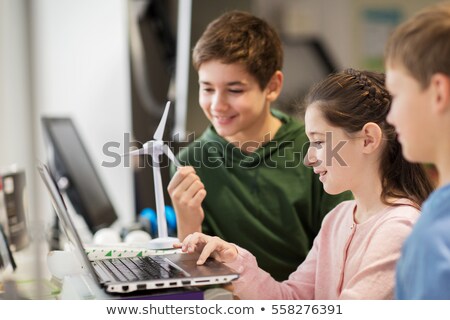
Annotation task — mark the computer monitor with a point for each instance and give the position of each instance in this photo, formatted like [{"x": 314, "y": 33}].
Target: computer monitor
[{"x": 75, "y": 173}]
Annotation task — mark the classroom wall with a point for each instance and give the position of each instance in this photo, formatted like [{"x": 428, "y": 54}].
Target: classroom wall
[
  {"x": 65, "y": 58},
  {"x": 345, "y": 26},
  {"x": 81, "y": 69},
  {"x": 16, "y": 125}
]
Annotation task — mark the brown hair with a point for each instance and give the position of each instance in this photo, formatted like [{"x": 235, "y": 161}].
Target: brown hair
[
  {"x": 350, "y": 99},
  {"x": 239, "y": 37},
  {"x": 422, "y": 44}
]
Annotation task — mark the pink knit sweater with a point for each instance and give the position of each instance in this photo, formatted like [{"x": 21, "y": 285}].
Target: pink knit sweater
[{"x": 347, "y": 260}]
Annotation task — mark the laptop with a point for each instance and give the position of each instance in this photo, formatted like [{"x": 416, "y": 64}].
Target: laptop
[{"x": 133, "y": 274}]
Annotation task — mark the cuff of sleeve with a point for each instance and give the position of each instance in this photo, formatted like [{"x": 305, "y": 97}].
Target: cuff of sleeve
[{"x": 239, "y": 264}]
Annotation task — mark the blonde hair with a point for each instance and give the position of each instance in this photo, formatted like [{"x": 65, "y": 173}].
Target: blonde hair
[{"x": 422, "y": 44}]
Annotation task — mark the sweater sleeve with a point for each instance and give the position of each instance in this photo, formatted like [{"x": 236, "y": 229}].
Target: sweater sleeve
[
  {"x": 375, "y": 278},
  {"x": 255, "y": 283}
]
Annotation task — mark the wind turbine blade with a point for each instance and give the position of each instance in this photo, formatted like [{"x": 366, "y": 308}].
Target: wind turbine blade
[
  {"x": 162, "y": 123},
  {"x": 134, "y": 153},
  {"x": 169, "y": 153},
  {"x": 147, "y": 148}
]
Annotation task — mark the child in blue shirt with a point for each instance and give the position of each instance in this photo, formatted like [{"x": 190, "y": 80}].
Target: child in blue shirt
[{"x": 418, "y": 78}]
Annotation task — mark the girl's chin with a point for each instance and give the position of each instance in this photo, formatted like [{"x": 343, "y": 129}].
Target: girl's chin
[{"x": 331, "y": 190}]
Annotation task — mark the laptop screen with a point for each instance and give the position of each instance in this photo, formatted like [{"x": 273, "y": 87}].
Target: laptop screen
[{"x": 64, "y": 217}]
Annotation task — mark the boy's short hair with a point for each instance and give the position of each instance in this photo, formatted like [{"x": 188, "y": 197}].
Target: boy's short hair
[
  {"x": 422, "y": 44},
  {"x": 239, "y": 37}
]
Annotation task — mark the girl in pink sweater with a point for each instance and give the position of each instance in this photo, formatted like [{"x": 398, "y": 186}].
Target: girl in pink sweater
[{"x": 352, "y": 147}]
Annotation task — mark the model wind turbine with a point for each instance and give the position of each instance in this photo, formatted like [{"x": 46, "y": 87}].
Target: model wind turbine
[{"x": 155, "y": 148}]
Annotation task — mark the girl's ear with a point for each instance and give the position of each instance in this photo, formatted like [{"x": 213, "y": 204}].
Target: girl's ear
[
  {"x": 440, "y": 84},
  {"x": 274, "y": 86},
  {"x": 372, "y": 137}
]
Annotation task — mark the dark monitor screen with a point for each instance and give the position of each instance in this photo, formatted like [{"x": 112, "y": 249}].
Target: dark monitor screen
[{"x": 68, "y": 158}]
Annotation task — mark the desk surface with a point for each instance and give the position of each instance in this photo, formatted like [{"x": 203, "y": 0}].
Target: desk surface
[{"x": 31, "y": 279}]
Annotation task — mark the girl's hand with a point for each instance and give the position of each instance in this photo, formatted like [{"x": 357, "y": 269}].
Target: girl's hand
[{"x": 208, "y": 246}]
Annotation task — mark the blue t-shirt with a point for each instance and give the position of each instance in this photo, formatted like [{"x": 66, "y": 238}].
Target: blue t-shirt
[{"x": 423, "y": 271}]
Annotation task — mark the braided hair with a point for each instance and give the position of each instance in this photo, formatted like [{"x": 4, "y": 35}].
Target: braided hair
[{"x": 349, "y": 100}]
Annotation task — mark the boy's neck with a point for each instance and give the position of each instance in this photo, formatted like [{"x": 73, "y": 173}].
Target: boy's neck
[
  {"x": 253, "y": 138},
  {"x": 443, "y": 167},
  {"x": 442, "y": 158}
]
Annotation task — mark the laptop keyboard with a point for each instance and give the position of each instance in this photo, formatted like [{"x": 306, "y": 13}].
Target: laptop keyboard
[{"x": 141, "y": 268}]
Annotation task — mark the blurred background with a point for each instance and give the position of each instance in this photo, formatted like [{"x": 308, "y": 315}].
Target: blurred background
[{"x": 111, "y": 65}]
